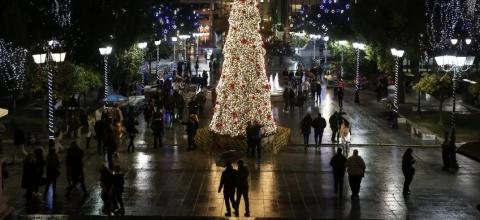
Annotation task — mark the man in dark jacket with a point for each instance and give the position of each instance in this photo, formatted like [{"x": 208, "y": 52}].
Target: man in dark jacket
[
  {"x": 242, "y": 187},
  {"x": 408, "y": 170},
  {"x": 305, "y": 129},
  {"x": 333, "y": 121},
  {"x": 286, "y": 98},
  {"x": 157, "y": 128},
  {"x": 74, "y": 162},
  {"x": 318, "y": 88},
  {"x": 191, "y": 130},
  {"x": 130, "y": 124},
  {"x": 228, "y": 183},
  {"x": 254, "y": 138},
  {"x": 338, "y": 165},
  {"x": 318, "y": 125}
]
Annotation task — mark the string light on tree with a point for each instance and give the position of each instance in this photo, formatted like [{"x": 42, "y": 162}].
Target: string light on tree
[
  {"x": 243, "y": 89},
  {"x": 12, "y": 66},
  {"x": 61, "y": 12}
]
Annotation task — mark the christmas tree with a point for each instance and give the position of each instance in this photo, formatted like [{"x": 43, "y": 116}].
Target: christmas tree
[{"x": 243, "y": 90}]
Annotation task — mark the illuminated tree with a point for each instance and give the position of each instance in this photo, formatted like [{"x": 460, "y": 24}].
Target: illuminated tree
[
  {"x": 12, "y": 68},
  {"x": 243, "y": 90}
]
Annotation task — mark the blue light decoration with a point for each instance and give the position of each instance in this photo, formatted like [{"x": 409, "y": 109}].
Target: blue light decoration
[
  {"x": 12, "y": 66},
  {"x": 321, "y": 18},
  {"x": 165, "y": 16},
  {"x": 170, "y": 19}
]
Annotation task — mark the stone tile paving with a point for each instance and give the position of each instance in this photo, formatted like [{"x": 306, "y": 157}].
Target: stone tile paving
[{"x": 295, "y": 183}]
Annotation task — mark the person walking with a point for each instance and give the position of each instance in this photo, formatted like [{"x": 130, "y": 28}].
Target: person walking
[
  {"x": 40, "y": 166},
  {"x": 53, "y": 172},
  {"x": 242, "y": 187},
  {"x": 228, "y": 183},
  {"x": 191, "y": 130},
  {"x": 130, "y": 127},
  {"x": 74, "y": 161},
  {"x": 110, "y": 143},
  {"x": 305, "y": 129},
  {"x": 408, "y": 170},
  {"x": 338, "y": 165},
  {"x": 250, "y": 136},
  {"x": 118, "y": 181},
  {"x": 30, "y": 177},
  {"x": 356, "y": 171},
  {"x": 333, "y": 121},
  {"x": 286, "y": 98},
  {"x": 99, "y": 129},
  {"x": 318, "y": 125},
  {"x": 318, "y": 93},
  {"x": 157, "y": 128},
  {"x": 340, "y": 93},
  {"x": 106, "y": 182},
  {"x": 19, "y": 140},
  {"x": 292, "y": 102},
  {"x": 345, "y": 134},
  {"x": 179, "y": 105}
]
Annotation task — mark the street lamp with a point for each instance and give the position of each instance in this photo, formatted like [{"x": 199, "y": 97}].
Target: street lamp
[
  {"x": 46, "y": 58},
  {"x": 174, "y": 40},
  {"x": 397, "y": 54},
  {"x": 457, "y": 65},
  {"x": 342, "y": 44},
  {"x": 105, "y": 51},
  {"x": 325, "y": 40},
  {"x": 358, "y": 47},
  {"x": 142, "y": 46},
  {"x": 157, "y": 43},
  {"x": 314, "y": 37},
  {"x": 185, "y": 37}
]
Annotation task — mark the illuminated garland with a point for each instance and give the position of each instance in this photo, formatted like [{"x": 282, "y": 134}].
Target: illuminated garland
[
  {"x": 447, "y": 18},
  {"x": 243, "y": 89},
  {"x": 61, "y": 12},
  {"x": 12, "y": 66}
]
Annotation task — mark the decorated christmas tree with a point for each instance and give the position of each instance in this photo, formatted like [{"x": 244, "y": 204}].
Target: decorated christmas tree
[{"x": 243, "y": 90}]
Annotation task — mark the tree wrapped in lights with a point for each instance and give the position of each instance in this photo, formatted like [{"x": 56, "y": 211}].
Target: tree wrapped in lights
[
  {"x": 12, "y": 66},
  {"x": 243, "y": 90}
]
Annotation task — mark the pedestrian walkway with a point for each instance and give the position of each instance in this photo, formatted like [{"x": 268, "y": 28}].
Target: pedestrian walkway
[{"x": 295, "y": 183}]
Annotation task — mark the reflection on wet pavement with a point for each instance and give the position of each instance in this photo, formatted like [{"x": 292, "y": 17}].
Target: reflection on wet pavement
[{"x": 295, "y": 183}]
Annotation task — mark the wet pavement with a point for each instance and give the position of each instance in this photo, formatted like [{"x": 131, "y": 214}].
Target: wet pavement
[{"x": 295, "y": 183}]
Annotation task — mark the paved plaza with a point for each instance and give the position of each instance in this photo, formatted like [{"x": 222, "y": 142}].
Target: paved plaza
[{"x": 295, "y": 183}]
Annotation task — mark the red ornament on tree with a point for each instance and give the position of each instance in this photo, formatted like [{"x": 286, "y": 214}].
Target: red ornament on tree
[{"x": 244, "y": 41}]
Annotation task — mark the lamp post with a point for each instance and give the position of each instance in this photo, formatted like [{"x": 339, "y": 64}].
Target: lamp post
[
  {"x": 325, "y": 40},
  {"x": 314, "y": 37},
  {"x": 358, "y": 47},
  {"x": 174, "y": 40},
  {"x": 105, "y": 51},
  {"x": 397, "y": 54},
  {"x": 46, "y": 58},
  {"x": 142, "y": 46},
  {"x": 157, "y": 44},
  {"x": 184, "y": 37},
  {"x": 342, "y": 44},
  {"x": 456, "y": 64},
  {"x": 197, "y": 41}
]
